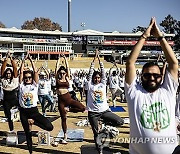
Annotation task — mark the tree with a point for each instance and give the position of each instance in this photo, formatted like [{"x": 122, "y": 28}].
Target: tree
[
  {"x": 177, "y": 37},
  {"x": 171, "y": 25},
  {"x": 41, "y": 23},
  {"x": 139, "y": 28},
  {"x": 2, "y": 25}
]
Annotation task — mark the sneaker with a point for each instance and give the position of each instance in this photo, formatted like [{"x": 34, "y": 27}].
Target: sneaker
[
  {"x": 114, "y": 103},
  {"x": 3, "y": 120},
  {"x": 54, "y": 144},
  {"x": 11, "y": 132},
  {"x": 13, "y": 111},
  {"x": 63, "y": 141}
]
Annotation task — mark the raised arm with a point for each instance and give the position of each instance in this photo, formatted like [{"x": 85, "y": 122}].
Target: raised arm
[
  {"x": 21, "y": 71},
  {"x": 4, "y": 64},
  {"x": 130, "y": 63},
  {"x": 91, "y": 69},
  {"x": 15, "y": 71},
  {"x": 168, "y": 52},
  {"x": 57, "y": 65},
  {"x": 103, "y": 77},
  {"x": 67, "y": 65},
  {"x": 34, "y": 69}
]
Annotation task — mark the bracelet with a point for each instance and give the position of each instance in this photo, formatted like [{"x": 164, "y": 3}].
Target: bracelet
[
  {"x": 161, "y": 37},
  {"x": 143, "y": 36}
]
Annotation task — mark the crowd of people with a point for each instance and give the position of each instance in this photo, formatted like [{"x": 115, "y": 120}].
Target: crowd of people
[{"x": 151, "y": 95}]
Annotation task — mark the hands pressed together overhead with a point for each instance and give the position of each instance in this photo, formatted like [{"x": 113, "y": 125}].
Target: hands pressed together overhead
[{"x": 152, "y": 29}]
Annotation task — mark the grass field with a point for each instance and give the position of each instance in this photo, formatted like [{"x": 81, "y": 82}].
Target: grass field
[
  {"x": 77, "y": 63},
  {"x": 84, "y": 147}
]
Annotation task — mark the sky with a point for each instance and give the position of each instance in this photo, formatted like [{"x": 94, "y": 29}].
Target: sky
[{"x": 100, "y": 15}]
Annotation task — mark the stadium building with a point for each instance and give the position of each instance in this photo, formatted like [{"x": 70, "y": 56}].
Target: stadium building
[{"x": 50, "y": 44}]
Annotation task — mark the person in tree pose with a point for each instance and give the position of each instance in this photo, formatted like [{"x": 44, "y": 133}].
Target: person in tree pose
[
  {"x": 28, "y": 98},
  {"x": 10, "y": 83},
  {"x": 97, "y": 105},
  {"x": 64, "y": 98},
  {"x": 151, "y": 102}
]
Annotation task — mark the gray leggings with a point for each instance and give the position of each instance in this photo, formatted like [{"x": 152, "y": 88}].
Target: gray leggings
[{"x": 107, "y": 116}]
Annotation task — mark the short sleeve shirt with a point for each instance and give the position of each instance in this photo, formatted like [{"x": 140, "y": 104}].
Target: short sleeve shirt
[
  {"x": 152, "y": 117},
  {"x": 28, "y": 95}
]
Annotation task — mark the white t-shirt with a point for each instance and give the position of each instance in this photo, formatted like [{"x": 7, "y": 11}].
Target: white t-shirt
[
  {"x": 70, "y": 86},
  {"x": 53, "y": 81},
  {"x": 81, "y": 82},
  {"x": 28, "y": 95},
  {"x": 9, "y": 86},
  {"x": 121, "y": 81},
  {"x": 49, "y": 85},
  {"x": 43, "y": 87},
  {"x": 96, "y": 98},
  {"x": 152, "y": 117},
  {"x": 97, "y": 101},
  {"x": 114, "y": 82}
]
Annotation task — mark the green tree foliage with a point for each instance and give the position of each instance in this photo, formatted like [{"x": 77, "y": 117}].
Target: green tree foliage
[
  {"x": 41, "y": 23},
  {"x": 2, "y": 25},
  {"x": 139, "y": 28},
  {"x": 171, "y": 25},
  {"x": 177, "y": 37}
]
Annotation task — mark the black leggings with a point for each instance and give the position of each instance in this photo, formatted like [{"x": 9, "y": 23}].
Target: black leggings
[
  {"x": 7, "y": 105},
  {"x": 66, "y": 100},
  {"x": 39, "y": 120}
]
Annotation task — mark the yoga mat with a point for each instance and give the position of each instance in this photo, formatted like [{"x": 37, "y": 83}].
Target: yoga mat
[
  {"x": 117, "y": 109},
  {"x": 74, "y": 135},
  {"x": 22, "y": 136}
]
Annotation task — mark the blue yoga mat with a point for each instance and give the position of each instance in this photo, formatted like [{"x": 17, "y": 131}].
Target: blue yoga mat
[{"x": 117, "y": 109}]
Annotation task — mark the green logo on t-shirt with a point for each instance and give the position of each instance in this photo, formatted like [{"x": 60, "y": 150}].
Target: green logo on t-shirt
[{"x": 155, "y": 116}]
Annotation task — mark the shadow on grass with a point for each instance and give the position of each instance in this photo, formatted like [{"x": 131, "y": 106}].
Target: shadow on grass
[
  {"x": 78, "y": 117},
  {"x": 90, "y": 149},
  {"x": 37, "y": 149}
]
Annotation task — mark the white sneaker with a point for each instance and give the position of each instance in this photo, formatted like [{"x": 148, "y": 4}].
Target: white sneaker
[
  {"x": 11, "y": 132},
  {"x": 13, "y": 111},
  {"x": 3, "y": 120},
  {"x": 114, "y": 103},
  {"x": 63, "y": 141}
]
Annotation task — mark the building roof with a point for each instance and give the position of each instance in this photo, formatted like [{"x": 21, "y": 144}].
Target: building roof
[{"x": 81, "y": 32}]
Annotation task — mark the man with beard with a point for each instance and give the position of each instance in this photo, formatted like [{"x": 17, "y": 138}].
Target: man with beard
[{"x": 151, "y": 103}]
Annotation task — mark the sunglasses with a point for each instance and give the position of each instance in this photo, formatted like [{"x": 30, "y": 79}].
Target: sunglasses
[
  {"x": 62, "y": 73},
  {"x": 28, "y": 77},
  {"x": 149, "y": 75}
]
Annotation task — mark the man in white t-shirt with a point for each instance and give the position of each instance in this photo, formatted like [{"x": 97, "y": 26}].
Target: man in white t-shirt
[{"x": 151, "y": 104}]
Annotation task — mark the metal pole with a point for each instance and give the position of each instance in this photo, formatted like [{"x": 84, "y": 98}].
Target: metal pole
[{"x": 69, "y": 15}]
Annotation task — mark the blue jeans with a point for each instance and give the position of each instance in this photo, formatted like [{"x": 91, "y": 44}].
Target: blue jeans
[{"x": 43, "y": 99}]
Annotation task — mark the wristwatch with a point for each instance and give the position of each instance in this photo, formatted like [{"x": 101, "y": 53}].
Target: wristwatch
[{"x": 161, "y": 37}]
